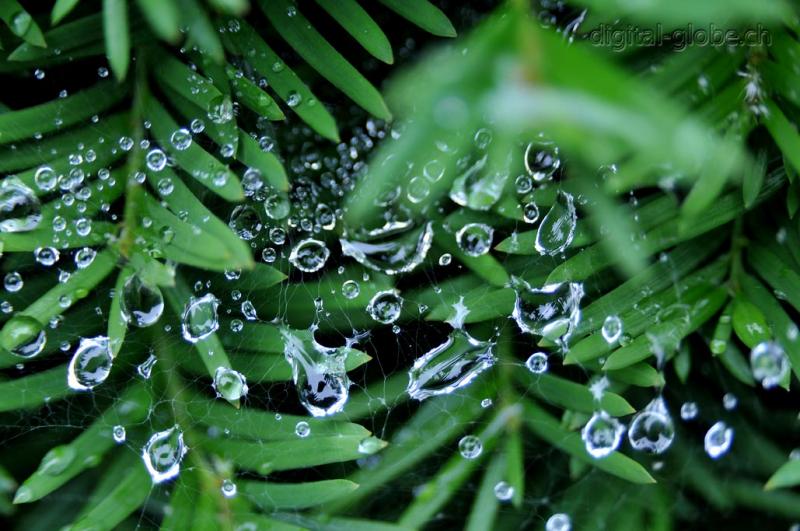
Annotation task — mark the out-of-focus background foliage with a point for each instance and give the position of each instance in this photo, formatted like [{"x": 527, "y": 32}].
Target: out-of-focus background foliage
[{"x": 339, "y": 264}]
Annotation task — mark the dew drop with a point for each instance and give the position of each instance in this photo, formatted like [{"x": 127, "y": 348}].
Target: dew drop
[
  {"x": 470, "y": 447},
  {"x": 26, "y": 334},
  {"x": 156, "y": 159},
  {"x": 385, "y": 306},
  {"x": 558, "y": 226},
  {"x": 542, "y": 160},
  {"x": 449, "y": 366},
  {"x": 612, "y": 329},
  {"x": 145, "y": 369},
  {"x": 392, "y": 249},
  {"x": 558, "y": 522},
  {"x": 200, "y": 318},
  {"x": 46, "y": 256},
  {"x": 552, "y": 311},
  {"x": 57, "y": 459},
  {"x": 769, "y": 363},
  {"x": 181, "y": 139},
  {"x": 229, "y": 384},
  {"x": 90, "y": 365},
  {"x": 475, "y": 239},
  {"x": 309, "y": 255},
  {"x": 503, "y": 491},
  {"x": 119, "y": 434},
  {"x": 228, "y": 488},
  {"x": 163, "y": 453},
  {"x": 302, "y": 429},
  {"x": 718, "y": 440},
  {"x": 20, "y": 209},
  {"x": 350, "y": 289},
  {"x": 141, "y": 304},
  {"x": 537, "y": 362},
  {"x": 689, "y": 410},
  {"x": 652, "y": 429},
  {"x": 245, "y": 222},
  {"x": 602, "y": 435}
]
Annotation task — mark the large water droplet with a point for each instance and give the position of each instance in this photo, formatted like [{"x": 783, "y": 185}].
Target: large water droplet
[
  {"x": 90, "y": 365},
  {"x": 141, "y": 304},
  {"x": 200, "y": 318},
  {"x": 318, "y": 372},
  {"x": 769, "y": 363},
  {"x": 552, "y": 311},
  {"x": 385, "y": 306},
  {"x": 26, "y": 335},
  {"x": 718, "y": 440},
  {"x": 450, "y": 366},
  {"x": 229, "y": 384},
  {"x": 20, "y": 209},
  {"x": 602, "y": 434},
  {"x": 309, "y": 255},
  {"x": 558, "y": 226},
  {"x": 392, "y": 249},
  {"x": 245, "y": 222},
  {"x": 162, "y": 454},
  {"x": 652, "y": 429}
]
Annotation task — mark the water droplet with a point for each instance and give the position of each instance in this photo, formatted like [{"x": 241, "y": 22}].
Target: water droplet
[
  {"x": 119, "y": 434},
  {"x": 293, "y": 99},
  {"x": 370, "y": 445},
  {"x": 141, "y": 304},
  {"x": 181, "y": 139},
  {"x": 450, "y": 366},
  {"x": 302, "y": 429},
  {"x": 228, "y": 488},
  {"x": 47, "y": 256},
  {"x": 729, "y": 401},
  {"x": 558, "y": 522},
  {"x": 542, "y": 160},
  {"x": 200, "y": 318},
  {"x": 350, "y": 289},
  {"x": 12, "y": 282},
  {"x": 445, "y": 259},
  {"x": 689, "y": 410},
  {"x": 530, "y": 212},
  {"x": 718, "y": 440},
  {"x": 475, "y": 239},
  {"x": 20, "y": 209},
  {"x": 229, "y": 384},
  {"x": 84, "y": 257},
  {"x": 392, "y": 249},
  {"x": 145, "y": 369},
  {"x": 26, "y": 334},
  {"x": 156, "y": 159},
  {"x": 486, "y": 402},
  {"x": 503, "y": 491},
  {"x": 470, "y": 447},
  {"x": 602, "y": 435},
  {"x": 385, "y": 306},
  {"x": 769, "y": 363},
  {"x": 245, "y": 222},
  {"x": 612, "y": 329},
  {"x": 162, "y": 454},
  {"x": 45, "y": 178},
  {"x": 652, "y": 429},
  {"x": 552, "y": 311},
  {"x": 277, "y": 205},
  {"x": 558, "y": 226},
  {"x": 318, "y": 372},
  {"x": 537, "y": 362},
  {"x": 91, "y": 364},
  {"x": 309, "y": 255}
]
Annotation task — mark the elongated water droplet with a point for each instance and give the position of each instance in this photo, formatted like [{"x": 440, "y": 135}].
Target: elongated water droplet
[
  {"x": 552, "y": 311},
  {"x": 718, "y": 440},
  {"x": 229, "y": 384},
  {"x": 769, "y": 363},
  {"x": 450, "y": 366},
  {"x": 90, "y": 365},
  {"x": 141, "y": 304},
  {"x": 652, "y": 429},
  {"x": 162, "y": 454},
  {"x": 602, "y": 435},
  {"x": 20, "y": 209},
  {"x": 200, "y": 318},
  {"x": 391, "y": 250},
  {"x": 558, "y": 226},
  {"x": 318, "y": 372},
  {"x": 145, "y": 369},
  {"x": 309, "y": 255}
]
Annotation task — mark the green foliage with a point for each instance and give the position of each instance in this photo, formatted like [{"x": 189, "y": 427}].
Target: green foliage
[{"x": 682, "y": 165}]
